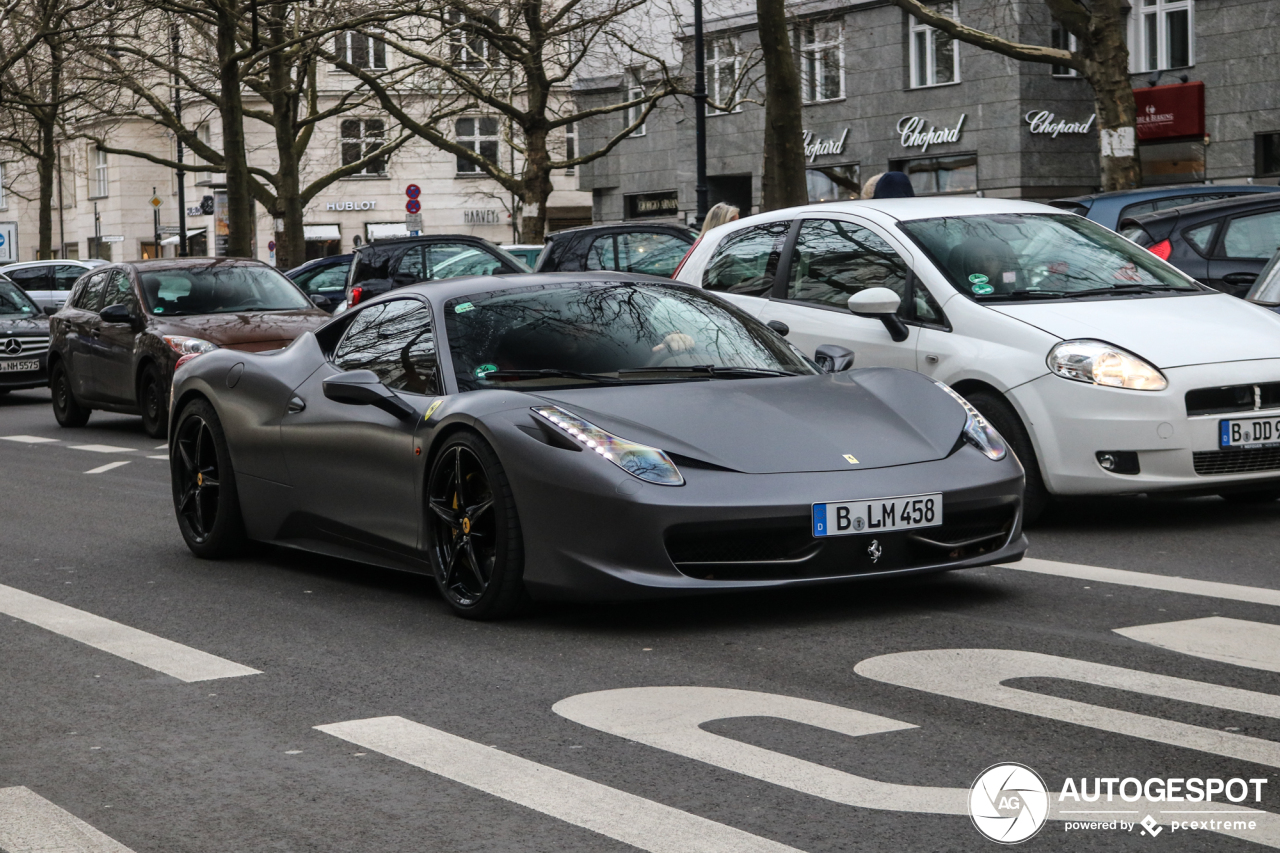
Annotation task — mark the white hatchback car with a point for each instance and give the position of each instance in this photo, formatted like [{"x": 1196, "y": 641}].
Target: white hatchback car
[{"x": 1105, "y": 368}]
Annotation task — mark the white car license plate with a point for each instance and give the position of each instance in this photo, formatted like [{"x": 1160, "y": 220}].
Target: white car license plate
[
  {"x": 878, "y": 515},
  {"x": 1249, "y": 432},
  {"x": 17, "y": 366}
]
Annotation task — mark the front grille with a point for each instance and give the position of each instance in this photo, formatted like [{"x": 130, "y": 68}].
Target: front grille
[
  {"x": 1233, "y": 398},
  {"x": 26, "y": 346},
  {"x": 1236, "y": 461},
  {"x": 696, "y": 544}
]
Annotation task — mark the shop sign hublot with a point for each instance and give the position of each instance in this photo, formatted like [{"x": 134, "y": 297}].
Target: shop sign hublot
[
  {"x": 1045, "y": 122},
  {"x": 352, "y": 205},
  {"x": 912, "y": 134},
  {"x": 815, "y": 147}
]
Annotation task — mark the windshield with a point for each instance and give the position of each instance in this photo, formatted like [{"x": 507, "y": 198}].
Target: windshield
[
  {"x": 608, "y": 333},
  {"x": 219, "y": 289},
  {"x": 1011, "y": 257},
  {"x": 14, "y": 301}
]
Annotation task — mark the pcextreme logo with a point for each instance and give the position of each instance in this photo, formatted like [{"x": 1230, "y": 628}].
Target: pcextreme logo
[{"x": 1009, "y": 803}]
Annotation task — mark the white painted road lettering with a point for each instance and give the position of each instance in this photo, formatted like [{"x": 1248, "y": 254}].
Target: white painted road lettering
[
  {"x": 1234, "y": 641},
  {"x": 1144, "y": 580},
  {"x": 31, "y": 824}
]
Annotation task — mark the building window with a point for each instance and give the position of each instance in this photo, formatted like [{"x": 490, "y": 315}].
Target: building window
[
  {"x": 205, "y": 134},
  {"x": 821, "y": 61},
  {"x": 833, "y": 183},
  {"x": 67, "y": 182},
  {"x": 1060, "y": 39},
  {"x": 633, "y": 114},
  {"x": 570, "y": 146},
  {"x": 934, "y": 58},
  {"x": 99, "y": 186},
  {"x": 936, "y": 175},
  {"x": 1267, "y": 153},
  {"x": 467, "y": 47},
  {"x": 722, "y": 70},
  {"x": 479, "y": 135},
  {"x": 360, "y": 138},
  {"x": 360, "y": 50},
  {"x": 1164, "y": 35}
]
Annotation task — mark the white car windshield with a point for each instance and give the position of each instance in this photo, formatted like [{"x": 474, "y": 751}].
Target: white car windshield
[{"x": 1011, "y": 257}]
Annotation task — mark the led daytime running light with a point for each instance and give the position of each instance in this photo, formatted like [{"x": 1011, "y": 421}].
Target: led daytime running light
[
  {"x": 977, "y": 430},
  {"x": 647, "y": 463}
]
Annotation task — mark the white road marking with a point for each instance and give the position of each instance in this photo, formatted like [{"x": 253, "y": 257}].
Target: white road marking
[
  {"x": 164, "y": 446},
  {"x": 158, "y": 457},
  {"x": 110, "y": 466},
  {"x": 1145, "y": 580},
  {"x": 182, "y": 662},
  {"x": 31, "y": 824},
  {"x": 101, "y": 448},
  {"x": 614, "y": 814},
  {"x": 1235, "y": 641},
  {"x": 28, "y": 439}
]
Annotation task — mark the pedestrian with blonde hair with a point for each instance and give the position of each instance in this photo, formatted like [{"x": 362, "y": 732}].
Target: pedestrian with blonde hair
[{"x": 719, "y": 215}]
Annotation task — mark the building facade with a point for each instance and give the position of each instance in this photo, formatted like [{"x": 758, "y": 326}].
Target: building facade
[{"x": 883, "y": 92}]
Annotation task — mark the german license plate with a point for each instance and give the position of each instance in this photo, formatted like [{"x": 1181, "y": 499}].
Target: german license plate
[
  {"x": 878, "y": 515},
  {"x": 1249, "y": 432},
  {"x": 18, "y": 366}
]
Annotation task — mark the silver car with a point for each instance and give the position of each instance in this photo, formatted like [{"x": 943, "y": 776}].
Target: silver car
[{"x": 48, "y": 282}]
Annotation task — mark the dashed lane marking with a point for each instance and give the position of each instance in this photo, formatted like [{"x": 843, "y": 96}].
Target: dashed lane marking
[
  {"x": 31, "y": 824},
  {"x": 161, "y": 447},
  {"x": 615, "y": 814},
  {"x": 101, "y": 448},
  {"x": 110, "y": 466},
  {"x": 1234, "y": 641},
  {"x": 182, "y": 662},
  {"x": 1166, "y": 583},
  {"x": 158, "y": 457},
  {"x": 28, "y": 439}
]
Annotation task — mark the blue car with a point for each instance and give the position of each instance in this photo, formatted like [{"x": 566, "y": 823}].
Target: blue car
[
  {"x": 324, "y": 280},
  {"x": 1109, "y": 209}
]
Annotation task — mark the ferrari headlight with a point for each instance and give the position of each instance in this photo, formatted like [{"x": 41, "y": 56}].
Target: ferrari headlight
[
  {"x": 183, "y": 345},
  {"x": 977, "y": 431},
  {"x": 1101, "y": 363},
  {"x": 648, "y": 463}
]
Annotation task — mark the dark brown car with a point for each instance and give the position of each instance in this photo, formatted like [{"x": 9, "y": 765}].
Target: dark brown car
[{"x": 114, "y": 344}]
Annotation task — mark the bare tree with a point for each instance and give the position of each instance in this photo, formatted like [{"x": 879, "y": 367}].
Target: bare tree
[
  {"x": 1102, "y": 58},
  {"x": 782, "y": 181}
]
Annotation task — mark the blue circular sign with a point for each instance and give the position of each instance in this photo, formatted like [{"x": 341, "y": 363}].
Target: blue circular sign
[
  {"x": 413, "y": 191},
  {"x": 412, "y": 205},
  {"x": 1, "y": 239}
]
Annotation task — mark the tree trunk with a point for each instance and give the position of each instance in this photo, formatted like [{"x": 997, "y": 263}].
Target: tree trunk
[
  {"x": 536, "y": 187},
  {"x": 46, "y": 168},
  {"x": 1107, "y": 69},
  {"x": 291, "y": 246},
  {"x": 783, "y": 179},
  {"x": 240, "y": 212}
]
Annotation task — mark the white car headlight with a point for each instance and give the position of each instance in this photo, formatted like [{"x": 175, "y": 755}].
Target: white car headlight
[
  {"x": 648, "y": 463},
  {"x": 1100, "y": 363},
  {"x": 183, "y": 345},
  {"x": 977, "y": 430}
]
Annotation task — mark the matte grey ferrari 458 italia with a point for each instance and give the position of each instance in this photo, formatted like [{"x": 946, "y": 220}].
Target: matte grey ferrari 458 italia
[{"x": 583, "y": 435}]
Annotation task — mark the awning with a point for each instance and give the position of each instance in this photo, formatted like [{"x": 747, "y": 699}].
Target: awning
[
  {"x": 173, "y": 241},
  {"x": 383, "y": 230},
  {"x": 321, "y": 232}
]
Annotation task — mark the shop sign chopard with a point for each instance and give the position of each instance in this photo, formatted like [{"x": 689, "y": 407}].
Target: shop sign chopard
[
  {"x": 815, "y": 147},
  {"x": 1043, "y": 121},
  {"x": 913, "y": 135}
]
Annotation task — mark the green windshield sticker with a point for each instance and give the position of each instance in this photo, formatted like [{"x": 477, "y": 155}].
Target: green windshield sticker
[
  {"x": 463, "y": 308},
  {"x": 484, "y": 369},
  {"x": 159, "y": 309},
  {"x": 978, "y": 278},
  {"x": 982, "y": 289}
]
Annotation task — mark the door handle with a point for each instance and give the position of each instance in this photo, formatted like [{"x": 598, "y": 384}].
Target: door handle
[
  {"x": 297, "y": 404},
  {"x": 1240, "y": 277}
]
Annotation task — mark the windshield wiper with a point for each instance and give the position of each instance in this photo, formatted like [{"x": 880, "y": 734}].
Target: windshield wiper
[
  {"x": 550, "y": 371},
  {"x": 1028, "y": 294},
  {"x": 709, "y": 369},
  {"x": 1128, "y": 288}
]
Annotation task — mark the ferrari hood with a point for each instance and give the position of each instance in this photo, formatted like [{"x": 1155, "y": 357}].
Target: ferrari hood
[
  {"x": 251, "y": 330},
  {"x": 878, "y": 417},
  {"x": 1172, "y": 331}
]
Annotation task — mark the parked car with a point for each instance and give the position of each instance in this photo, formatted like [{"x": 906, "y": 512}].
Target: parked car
[
  {"x": 383, "y": 265},
  {"x": 115, "y": 343},
  {"x": 323, "y": 279},
  {"x": 469, "y": 429},
  {"x": 1107, "y": 369},
  {"x": 526, "y": 252},
  {"x": 1110, "y": 209},
  {"x": 1224, "y": 244},
  {"x": 631, "y": 247},
  {"x": 24, "y": 340},
  {"x": 1266, "y": 290},
  {"x": 48, "y": 282}
]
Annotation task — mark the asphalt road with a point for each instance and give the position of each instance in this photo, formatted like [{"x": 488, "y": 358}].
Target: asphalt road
[{"x": 482, "y": 762}]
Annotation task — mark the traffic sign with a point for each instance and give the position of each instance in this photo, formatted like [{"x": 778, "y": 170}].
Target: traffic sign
[
  {"x": 271, "y": 245},
  {"x": 156, "y": 201},
  {"x": 413, "y": 221},
  {"x": 413, "y": 191},
  {"x": 413, "y": 205}
]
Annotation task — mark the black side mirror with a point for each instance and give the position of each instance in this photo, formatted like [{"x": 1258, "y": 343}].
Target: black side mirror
[
  {"x": 50, "y": 310},
  {"x": 833, "y": 359},
  {"x": 116, "y": 314},
  {"x": 319, "y": 301},
  {"x": 780, "y": 327},
  {"x": 363, "y": 388}
]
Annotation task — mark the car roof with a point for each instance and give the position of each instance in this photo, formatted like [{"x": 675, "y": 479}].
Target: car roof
[
  {"x": 476, "y": 285},
  {"x": 920, "y": 207},
  {"x": 1210, "y": 207},
  {"x": 1147, "y": 193},
  {"x": 623, "y": 226},
  {"x": 48, "y": 263},
  {"x": 522, "y": 245},
  {"x": 421, "y": 238},
  {"x": 190, "y": 263}
]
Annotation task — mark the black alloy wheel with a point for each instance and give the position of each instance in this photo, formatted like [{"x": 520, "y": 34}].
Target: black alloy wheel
[
  {"x": 66, "y": 410},
  {"x": 476, "y": 547},
  {"x": 998, "y": 412},
  {"x": 204, "y": 486},
  {"x": 152, "y": 404}
]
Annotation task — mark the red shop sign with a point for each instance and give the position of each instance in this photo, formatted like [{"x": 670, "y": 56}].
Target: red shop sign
[{"x": 1169, "y": 111}]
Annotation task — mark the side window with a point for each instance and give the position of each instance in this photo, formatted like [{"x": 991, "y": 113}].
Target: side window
[
  {"x": 327, "y": 280},
  {"x": 745, "y": 262},
  {"x": 395, "y": 340},
  {"x": 119, "y": 291},
  {"x": 411, "y": 266},
  {"x": 450, "y": 260},
  {"x": 90, "y": 295},
  {"x": 1256, "y": 236},
  {"x": 31, "y": 278},
  {"x": 601, "y": 255},
  {"x": 65, "y": 275},
  {"x": 1201, "y": 237},
  {"x": 833, "y": 260},
  {"x": 650, "y": 253}
]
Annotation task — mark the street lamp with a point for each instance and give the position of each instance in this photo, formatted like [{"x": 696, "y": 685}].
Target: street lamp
[
  {"x": 700, "y": 112},
  {"x": 182, "y": 175}
]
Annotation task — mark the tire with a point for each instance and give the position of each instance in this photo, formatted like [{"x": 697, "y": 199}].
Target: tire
[
  {"x": 1261, "y": 496},
  {"x": 1000, "y": 414},
  {"x": 475, "y": 543},
  {"x": 151, "y": 402},
  {"x": 67, "y": 411},
  {"x": 205, "y": 499}
]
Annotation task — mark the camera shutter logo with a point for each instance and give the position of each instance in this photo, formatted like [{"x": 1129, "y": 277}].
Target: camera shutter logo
[{"x": 1008, "y": 803}]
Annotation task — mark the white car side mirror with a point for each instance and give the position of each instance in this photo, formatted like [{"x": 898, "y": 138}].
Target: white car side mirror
[{"x": 875, "y": 300}]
